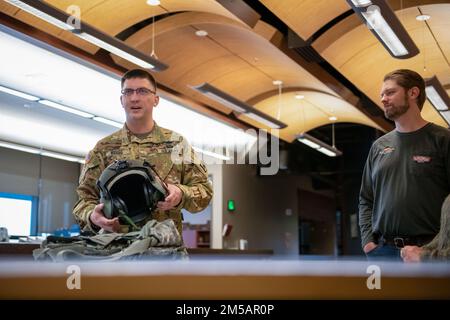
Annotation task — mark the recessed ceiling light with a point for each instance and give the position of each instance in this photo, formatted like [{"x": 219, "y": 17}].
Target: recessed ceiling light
[
  {"x": 277, "y": 82},
  {"x": 299, "y": 96},
  {"x": 332, "y": 118},
  {"x": 201, "y": 33},
  {"x": 153, "y": 2},
  {"x": 423, "y": 17}
]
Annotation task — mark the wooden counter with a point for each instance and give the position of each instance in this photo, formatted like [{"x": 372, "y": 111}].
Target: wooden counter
[{"x": 223, "y": 279}]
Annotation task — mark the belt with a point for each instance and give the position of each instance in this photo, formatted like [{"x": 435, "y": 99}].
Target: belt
[{"x": 401, "y": 241}]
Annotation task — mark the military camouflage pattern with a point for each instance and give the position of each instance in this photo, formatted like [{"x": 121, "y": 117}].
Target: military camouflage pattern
[
  {"x": 155, "y": 239},
  {"x": 439, "y": 247},
  {"x": 158, "y": 148}
]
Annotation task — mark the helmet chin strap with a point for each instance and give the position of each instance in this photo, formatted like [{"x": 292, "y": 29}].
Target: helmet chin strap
[{"x": 128, "y": 220}]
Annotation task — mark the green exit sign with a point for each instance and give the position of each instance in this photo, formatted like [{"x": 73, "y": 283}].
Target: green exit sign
[{"x": 231, "y": 206}]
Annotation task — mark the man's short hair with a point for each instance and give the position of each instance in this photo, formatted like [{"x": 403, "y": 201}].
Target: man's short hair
[
  {"x": 138, "y": 73},
  {"x": 408, "y": 79}
]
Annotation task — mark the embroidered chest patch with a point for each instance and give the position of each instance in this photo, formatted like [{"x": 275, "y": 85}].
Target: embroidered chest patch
[
  {"x": 422, "y": 159},
  {"x": 387, "y": 150}
]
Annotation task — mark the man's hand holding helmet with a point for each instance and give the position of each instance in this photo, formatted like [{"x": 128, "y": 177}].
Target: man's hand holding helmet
[
  {"x": 98, "y": 218},
  {"x": 172, "y": 200}
]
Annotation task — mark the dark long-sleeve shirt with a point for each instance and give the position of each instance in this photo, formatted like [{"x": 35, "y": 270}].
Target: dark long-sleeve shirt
[{"x": 405, "y": 181}]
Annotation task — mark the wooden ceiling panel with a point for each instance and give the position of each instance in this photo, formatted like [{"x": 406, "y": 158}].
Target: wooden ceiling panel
[
  {"x": 367, "y": 59},
  {"x": 215, "y": 68},
  {"x": 308, "y": 16},
  {"x": 46, "y": 27},
  {"x": 8, "y": 9},
  {"x": 177, "y": 45},
  {"x": 244, "y": 83},
  {"x": 93, "y": 12},
  {"x": 259, "y": 53},
  {"x": 440, "y": 26},
  {"x": 231, "y": 57},
  {"x": 234, "y": 59},
  {"x": 311, "y": 112}
]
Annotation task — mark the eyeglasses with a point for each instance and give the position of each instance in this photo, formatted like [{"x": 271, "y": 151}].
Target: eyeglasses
[{"x": 139, "y": 92}]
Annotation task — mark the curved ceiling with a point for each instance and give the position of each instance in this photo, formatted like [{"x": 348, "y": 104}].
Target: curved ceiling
[
  {"x": 233, "y": 58},
  {"x": 312, "y": 111},
  {"x": 244, "y": 59},
  {"x": 308, "y": 16},
  {"x": 357, "y": 60}
]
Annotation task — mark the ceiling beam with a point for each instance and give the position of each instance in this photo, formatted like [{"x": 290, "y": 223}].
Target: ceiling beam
[
  {"x": 241, "y": 10},
  {"x": 339, "y": 84}
]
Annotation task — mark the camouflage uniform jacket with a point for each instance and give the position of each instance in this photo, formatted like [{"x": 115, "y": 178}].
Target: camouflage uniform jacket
[
  {"x": 439, "y": 247},
  {"x": 170, "y": 154},
  {"x": 154, "y": 239}
]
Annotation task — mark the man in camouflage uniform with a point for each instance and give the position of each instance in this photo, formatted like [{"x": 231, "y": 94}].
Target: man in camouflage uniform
[{"x": 141, "y": 138}]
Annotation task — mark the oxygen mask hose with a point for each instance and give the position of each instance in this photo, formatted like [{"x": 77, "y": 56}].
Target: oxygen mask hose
[{"x": 128, "y": 220}]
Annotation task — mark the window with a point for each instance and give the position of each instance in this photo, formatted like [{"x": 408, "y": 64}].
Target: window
[{"x": 18, "y": 214}]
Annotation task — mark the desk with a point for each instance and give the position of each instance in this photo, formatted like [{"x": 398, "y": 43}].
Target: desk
[{"x": 20, "y": 248}]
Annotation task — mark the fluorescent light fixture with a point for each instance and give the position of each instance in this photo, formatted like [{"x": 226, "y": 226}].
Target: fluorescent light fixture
[
  {"x": 118, "y": 52},
  {"x": 438, "y": 97},
  {"x": 387, "y": 35},
  {"x": 238, "y": 106},
  {"x": 262, "y": 119},
  {"x": 61, "y": 107},
  {"x": 211, "y": 154},
  {"x": 309, "y": 143},
  {"x": 42, "y": 152},
  {"x": 65, "y": 108},
  {"x": 44, "y": 12},
  {"x": 109, "y": 122},
  {"x": 18, "y": 94},
  {"x": 19, "y": 147},
  {"x": 222, "y": 97},
  {"x": 435, "y": 99},
  {"x": 318, "y": 145},
  {"x": 87, "y": 32},
  {"x": 436, "y": 94},
  {"x": 60, "y": 156},
  {"x": 385, "y": 25},
  {"x": 329, "y": 153},
  {"x": 446, "y": 116},
  {"x": 362, "y": 3}
]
